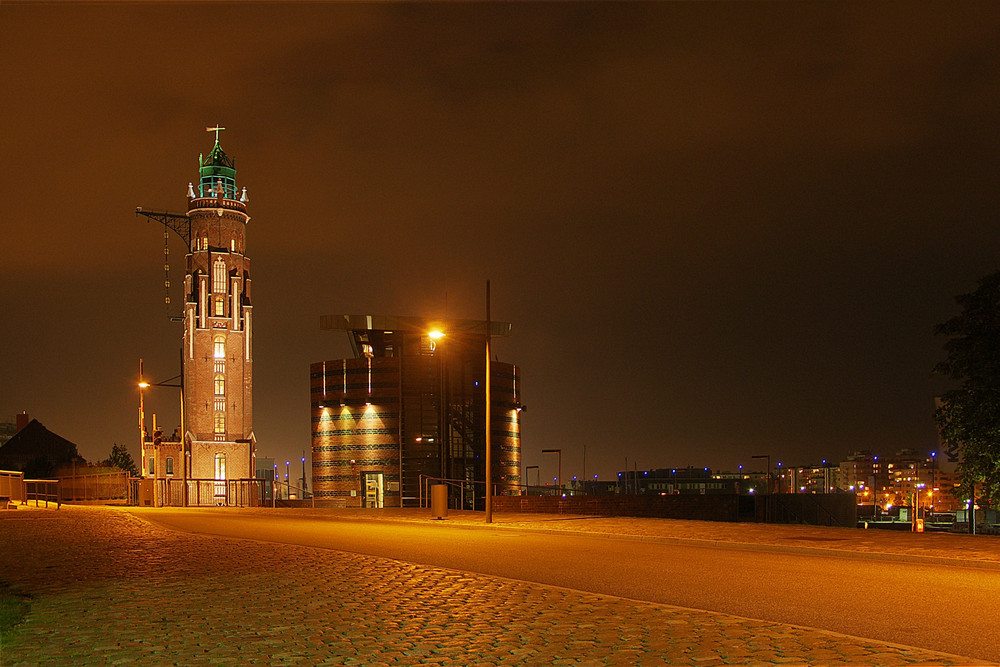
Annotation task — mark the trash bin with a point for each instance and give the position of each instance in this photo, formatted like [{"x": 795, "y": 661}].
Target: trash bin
[{"x": 439, "y": 501}]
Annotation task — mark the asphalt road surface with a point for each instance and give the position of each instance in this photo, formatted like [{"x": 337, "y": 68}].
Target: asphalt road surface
[{"x": 947, "y": 608}]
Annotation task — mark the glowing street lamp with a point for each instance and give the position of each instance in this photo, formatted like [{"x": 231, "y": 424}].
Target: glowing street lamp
[
  {"x": 143, "y": 386},
  {"x": 436, "y": 335}
]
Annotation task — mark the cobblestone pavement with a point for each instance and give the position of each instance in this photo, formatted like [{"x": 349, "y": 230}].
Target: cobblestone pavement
[{"x": 111, "y": 589}]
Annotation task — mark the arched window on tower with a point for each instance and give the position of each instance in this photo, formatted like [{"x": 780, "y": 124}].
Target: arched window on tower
[
  {"x": 219, "y": 275},
  {"x": 220, "y": 384},
  {"x": 219, "y": 351},
  {"x": 220, "y": 425}
]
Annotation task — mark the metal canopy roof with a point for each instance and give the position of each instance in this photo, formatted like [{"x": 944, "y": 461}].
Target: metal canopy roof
[{"x": 392, "y": 323}]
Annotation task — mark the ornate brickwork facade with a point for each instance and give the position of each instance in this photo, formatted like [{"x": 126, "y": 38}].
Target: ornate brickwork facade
[{"x": 218, "y": 327}]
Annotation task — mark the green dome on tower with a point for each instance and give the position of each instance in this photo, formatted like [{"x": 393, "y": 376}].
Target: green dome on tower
[{"x": 214, "y": 169}]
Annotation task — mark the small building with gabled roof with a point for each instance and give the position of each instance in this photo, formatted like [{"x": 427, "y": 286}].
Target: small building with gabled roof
[{"x": 37, "y": 450}]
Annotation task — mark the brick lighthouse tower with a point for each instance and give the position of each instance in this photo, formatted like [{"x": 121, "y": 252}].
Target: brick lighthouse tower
[
  {"x": 218, "y": 351},
  {"x": 216, "y": 443}
]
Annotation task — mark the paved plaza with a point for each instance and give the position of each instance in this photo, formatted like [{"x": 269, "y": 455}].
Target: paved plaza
[{"x": 109, "y": 588}]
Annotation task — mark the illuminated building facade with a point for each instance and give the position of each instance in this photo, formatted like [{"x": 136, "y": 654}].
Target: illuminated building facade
[
  {"x": 217, "y": 441},
  {"x": 410, "y": 406},
  {"x": 888, "y": 482}
]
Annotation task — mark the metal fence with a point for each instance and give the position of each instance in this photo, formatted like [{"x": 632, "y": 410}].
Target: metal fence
[
  {"x": 46, "y": 490},
  {"x": 94, "y": 487},
  {"x": 197, "y": 492},
  {"x": 11, "y": 485}
]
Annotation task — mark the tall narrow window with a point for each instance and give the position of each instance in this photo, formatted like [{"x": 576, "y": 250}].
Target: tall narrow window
[
  {"x": 220, "y": 347},
  {"x": 170, "y": 466},
  {"x": 152, "y": 466},
  {"x": 219, "y": 306},
  {"x": 220, "y": 479},
  {"x": 219, "y": 276},
  {"x": 220, "y": 425},
  {"x": 220, "y": 385}
]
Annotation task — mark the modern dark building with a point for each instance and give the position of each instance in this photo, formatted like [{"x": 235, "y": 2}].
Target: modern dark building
[
  {"x": 411, "y": 407},
  {"x": 688, "y": 480}
]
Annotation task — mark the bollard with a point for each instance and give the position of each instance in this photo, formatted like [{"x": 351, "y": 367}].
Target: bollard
[{"x": 439, "y": 501}]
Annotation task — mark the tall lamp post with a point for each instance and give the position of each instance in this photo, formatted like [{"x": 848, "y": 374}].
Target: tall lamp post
[
  {"x": 142, "y": 415},
  {"x": 559, "y": 452},
  {"x": 303, "y": 476},
  {"x": 143, "y": 385},
  {"x": 489, "y": 416},
  {"x": 437, "y": 335},
  {"x": 526, "y": 469}
]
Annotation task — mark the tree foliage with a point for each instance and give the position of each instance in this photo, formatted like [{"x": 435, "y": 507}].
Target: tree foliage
[
  {"x": 120, "y": 458},
  {"x": 969, "y": 415}
]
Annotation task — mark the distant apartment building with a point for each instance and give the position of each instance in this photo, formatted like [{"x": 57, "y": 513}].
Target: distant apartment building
[
  {"x": 822, "y": 478},
  {"x": 901, "y": 479}
]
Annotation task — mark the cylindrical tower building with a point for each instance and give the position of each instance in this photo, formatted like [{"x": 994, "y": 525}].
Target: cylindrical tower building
[{"x": 218, "y": 351}]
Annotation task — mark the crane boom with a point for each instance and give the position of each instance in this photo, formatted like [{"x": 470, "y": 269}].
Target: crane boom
[{"x": 179, "y": 223}]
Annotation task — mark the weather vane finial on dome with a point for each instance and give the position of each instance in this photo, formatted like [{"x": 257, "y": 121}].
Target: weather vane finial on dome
[{"x": 215, "y": 129}]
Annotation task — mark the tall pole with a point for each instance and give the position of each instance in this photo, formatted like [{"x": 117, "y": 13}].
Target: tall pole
[
  {"x": 489, "y": 451},
  {"x": 558, "y": 479},
  {"x": 142, "y": 418},
  {"x": 185, "y": 456},
  {"x": 303, "y": 475}
]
